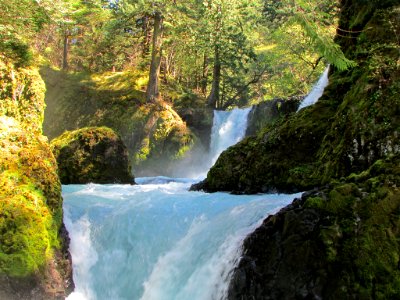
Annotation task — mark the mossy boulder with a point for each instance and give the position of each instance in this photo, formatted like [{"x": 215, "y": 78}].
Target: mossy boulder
[
  {"x": 93, "y": 154},
  {"x": 34, "y": 259},
  {"x": 155, "y": 135}
]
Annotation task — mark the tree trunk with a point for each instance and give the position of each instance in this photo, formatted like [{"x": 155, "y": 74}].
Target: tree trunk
[
  {"x": 152, "y": 93},
  {"x": 204, "y": 78},
  {"x": 214, "y": 94},
  {"x": 65, "y": 51},
  {"x": 146, "y": 36}
]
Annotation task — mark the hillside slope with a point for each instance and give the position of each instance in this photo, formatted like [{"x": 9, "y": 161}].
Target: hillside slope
[{"x": 155, "y": 135}]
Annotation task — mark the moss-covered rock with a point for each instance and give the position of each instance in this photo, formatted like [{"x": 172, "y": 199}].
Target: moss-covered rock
[
  {"x": 34, "y": 260},
  {"x": 155, "y": 135},
  {"x": 337, "y": 242},
  {"x": 282, "y": 157},
  {"x": 93, "y": 154}
]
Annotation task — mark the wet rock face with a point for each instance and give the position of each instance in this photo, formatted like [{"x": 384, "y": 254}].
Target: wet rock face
[
  {"x": 94, "y": 154},
  {"x": 281, "y": 258},
  {"x": 268, "y": 112}
]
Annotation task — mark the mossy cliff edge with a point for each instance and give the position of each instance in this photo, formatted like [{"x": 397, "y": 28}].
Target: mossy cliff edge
[
  {"x": 34, "y": 261},
  {"x": 155, "y": 135},
  {"x": 341, "y": 241}
]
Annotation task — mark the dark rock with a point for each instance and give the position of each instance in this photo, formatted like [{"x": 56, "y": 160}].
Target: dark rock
[
  {"x": 325, "y": 245},
  {"x": 267, "y": 112},
  {"x": 93, "y": 154}
]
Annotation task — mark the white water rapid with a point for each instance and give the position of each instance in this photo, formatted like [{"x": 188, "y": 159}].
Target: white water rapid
[
  {"x": 316, "y": 91},
  {"x": 158, "y": 241}
]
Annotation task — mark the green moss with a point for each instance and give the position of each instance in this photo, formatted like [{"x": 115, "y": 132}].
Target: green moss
[
  {"x": 92, "y": 154},
  {"x": 354, "y": 124},
  {"x": 361, "y": 230},
  {"x": 30, "y": 192}
]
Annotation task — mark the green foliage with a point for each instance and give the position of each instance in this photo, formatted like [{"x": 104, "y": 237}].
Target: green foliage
[
  {"x": 317, "y": 18},
  {"x": 16, "y": 51},
  {"x": 325, "y": 45}
]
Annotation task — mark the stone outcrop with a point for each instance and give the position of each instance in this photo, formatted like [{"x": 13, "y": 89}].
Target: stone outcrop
[
  {"x": 265, "y": 113},
  {"x": 93, "y": 154},
  {"x": 336, "y": 242}
]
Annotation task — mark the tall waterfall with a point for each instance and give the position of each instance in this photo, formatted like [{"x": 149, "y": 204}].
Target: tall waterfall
[{"x": 316, "y": 91}]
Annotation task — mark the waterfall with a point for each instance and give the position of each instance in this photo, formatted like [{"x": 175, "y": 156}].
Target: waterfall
[
  {"x": 316, "y": 91},
  {"x": 156, "y": 240},
  {"x": 229, "y": 128}
]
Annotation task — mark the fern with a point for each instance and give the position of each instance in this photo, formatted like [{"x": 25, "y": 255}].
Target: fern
[{"x": 324, "y": 44}]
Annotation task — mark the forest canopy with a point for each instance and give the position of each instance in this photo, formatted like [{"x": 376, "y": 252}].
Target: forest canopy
[{"x": 226, "y": 52}]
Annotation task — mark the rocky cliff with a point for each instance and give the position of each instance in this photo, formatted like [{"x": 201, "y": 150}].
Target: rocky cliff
[{"x": 34, "y": 260}]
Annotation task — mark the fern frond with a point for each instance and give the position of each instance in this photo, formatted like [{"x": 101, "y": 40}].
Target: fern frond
[{"x": 325, "y": 45}]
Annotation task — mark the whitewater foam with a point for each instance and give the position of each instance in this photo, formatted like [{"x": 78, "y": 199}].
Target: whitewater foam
[{"x": 158, "y": 241}]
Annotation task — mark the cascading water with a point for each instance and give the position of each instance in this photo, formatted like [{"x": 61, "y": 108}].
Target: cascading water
[
  {"x": 316, "y": 91},
  {"x": 158, "y": 241},
  {"x": 229, "y": 127}
]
